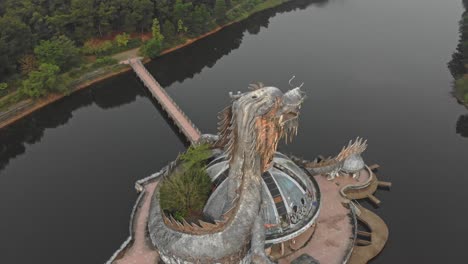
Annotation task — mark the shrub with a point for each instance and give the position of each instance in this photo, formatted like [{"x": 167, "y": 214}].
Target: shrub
[
  {"x": 28, "y": 63},
  {"x": 46, "y": 79},
  {"x": 151, "y": 48},
  {"x": 3, "y": 86},
  {"x": 187, "y": 190},
  {"x": 95, "y": 47},
  {"x": 122, "y": 39},
  {"x": 60, "y": 51},
  {"x": 104, "y": 61}
]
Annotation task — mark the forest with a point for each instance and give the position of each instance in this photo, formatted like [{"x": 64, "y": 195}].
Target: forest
[
  {"x": 458, "y": 64},
  {"x": 41, "y": 40}
]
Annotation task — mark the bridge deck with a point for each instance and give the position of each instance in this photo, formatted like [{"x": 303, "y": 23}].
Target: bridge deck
[{"x": 175, "y": 113}]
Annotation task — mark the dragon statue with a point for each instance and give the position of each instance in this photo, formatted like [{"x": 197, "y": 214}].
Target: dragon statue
[
  {"x": 249, "y": 132},
  {"x": 348, "y": 161}
]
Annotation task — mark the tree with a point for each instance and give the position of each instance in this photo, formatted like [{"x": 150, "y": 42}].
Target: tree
[
  {"x": 3, "y": 86},
  {"x": 201, "y": 19},
  {"x": 169, "y": 30},
  {"x": 28, "y": 63},
  {"x": 43, "y": 81},
  {"x": 156, "y": 29},
  {"x": 106, "y": 12},
  {"x": 151, "y": 48},
  {"x": 181, "y": 10},
  {"x": 82, "y": 14},
  {"x": 141, "y": 14},
  {"x": 187, "y": 190},
  {"x": 180, "y": 27},
  {"x": 122, "y": 39},
  {"x": 195, "y": 156},
  {"x": 97, "y": 47},
  {"x": 15, "y": 40},
  {"x": 220, "y": 11},
  {"x": 60, "y": 51}
]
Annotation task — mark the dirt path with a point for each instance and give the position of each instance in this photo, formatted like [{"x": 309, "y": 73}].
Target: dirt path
[{"x": 128, "y": 54}]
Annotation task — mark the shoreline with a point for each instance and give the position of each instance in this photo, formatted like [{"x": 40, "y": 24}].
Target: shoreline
[{"x": 51, "y": 98}]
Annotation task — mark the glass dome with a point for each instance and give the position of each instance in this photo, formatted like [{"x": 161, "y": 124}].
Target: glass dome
[{"x": 291, "y": 197}]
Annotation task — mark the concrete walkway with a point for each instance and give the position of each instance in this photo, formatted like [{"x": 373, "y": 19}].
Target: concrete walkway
[{"x": 140, "y": 251}]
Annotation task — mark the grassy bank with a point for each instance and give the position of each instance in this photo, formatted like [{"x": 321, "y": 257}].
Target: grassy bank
[{"x": 14, "y": 104}]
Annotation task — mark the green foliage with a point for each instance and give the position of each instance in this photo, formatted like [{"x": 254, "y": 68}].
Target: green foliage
[
  {"x": 27, "y": 63},
  {"x": 181, "y": 10},
  {"x": 104, "y": 61},
  {"x": 180, "y": 27},
  {"x": 25, "y": 24},
  {"x": 122, "y": 39},
  {"x": 196, "y": 155},
  {"x": 201, "y": 20},
  {"x": 60, "y": 51},
  {"x": 3, "y": 86},
  {"x": 151, "y": 48},
  {"x": 142, "y": 13},
  {"x": 461, "y": 88},
  {"x": 15, "y": 40},
  {"x": 96, "y": 47},
  {"x": 188, "y": 189},
  {"x": 220, "y": 11},
  {"x": 185, "y": 192},
  {"x": 168, "y": 30},
  {"x": 156, "y": 30},
  {"x": 43, "y": 81}
]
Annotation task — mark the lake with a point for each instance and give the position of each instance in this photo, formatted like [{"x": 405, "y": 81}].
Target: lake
[{"x": 371, "y": 68}]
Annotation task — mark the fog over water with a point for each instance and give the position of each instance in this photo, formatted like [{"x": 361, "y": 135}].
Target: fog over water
[{"x": 371, "y": 68}]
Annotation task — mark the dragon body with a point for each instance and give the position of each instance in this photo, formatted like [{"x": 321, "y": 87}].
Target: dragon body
[{"x": 249, "y": 133}]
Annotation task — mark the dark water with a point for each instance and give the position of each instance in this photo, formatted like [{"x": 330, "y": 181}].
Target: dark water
[{"x": 372, "y": 68}]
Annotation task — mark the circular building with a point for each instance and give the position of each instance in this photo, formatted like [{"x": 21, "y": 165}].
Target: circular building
[{"x": 291, "y": 197}]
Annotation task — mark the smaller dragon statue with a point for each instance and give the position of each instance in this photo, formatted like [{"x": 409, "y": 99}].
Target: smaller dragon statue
[{"x": 348, "y": 161}]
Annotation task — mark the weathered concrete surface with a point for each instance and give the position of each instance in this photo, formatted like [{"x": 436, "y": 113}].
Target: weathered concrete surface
[
  {"x": 333, "y": 239},
  {"x": 332, "y": 242},
  {"x": 379, "y": 236},
  {"x": 140, "y": 251},
  {"x": 305, "y": 259}
]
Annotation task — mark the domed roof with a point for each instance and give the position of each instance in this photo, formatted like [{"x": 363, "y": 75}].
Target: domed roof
[{"x": 291, "y": 197}]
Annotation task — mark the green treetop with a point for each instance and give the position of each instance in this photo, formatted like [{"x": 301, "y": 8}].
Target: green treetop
[
  {"x": 187, "y": 189},
  {"x": 220, "y": 11},
  {"x": 3, "y": 86},
  {"x": 201, "y": 20},
  {"x": 156, "y": 29},
  {"x": 180, "y": 27},
  {"x": 122, "y": 39},
  {"x": 43, "y": 81},
  {"x": 169, "y": 30},
  {"x": 60, "y": 51}
]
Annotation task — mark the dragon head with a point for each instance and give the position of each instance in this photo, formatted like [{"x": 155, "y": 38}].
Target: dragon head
[{"x": 258, "y": 119}]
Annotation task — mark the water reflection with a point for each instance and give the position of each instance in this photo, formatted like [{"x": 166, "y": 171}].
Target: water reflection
[
  {"x": 173, "y": 67},
  {"x": 107, "y": 94},
  {"x": 186, "y": 63}
]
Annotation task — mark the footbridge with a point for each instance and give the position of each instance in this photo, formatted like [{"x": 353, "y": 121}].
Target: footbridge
[{"x": 174, "y": 112}]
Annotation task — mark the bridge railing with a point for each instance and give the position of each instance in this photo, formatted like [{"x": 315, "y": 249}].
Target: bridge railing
[{"x": 139, "y": 66}]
